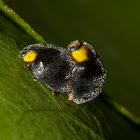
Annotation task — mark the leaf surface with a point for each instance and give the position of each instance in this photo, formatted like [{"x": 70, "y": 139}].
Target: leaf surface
[{"x": 30, "y": 112}]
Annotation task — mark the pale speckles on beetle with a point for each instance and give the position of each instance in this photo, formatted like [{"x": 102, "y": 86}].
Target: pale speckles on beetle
[
  {"x": 78, "y": 71},
  {"x": 50, "y": 64},
  {"x": 88, "y": 75}
]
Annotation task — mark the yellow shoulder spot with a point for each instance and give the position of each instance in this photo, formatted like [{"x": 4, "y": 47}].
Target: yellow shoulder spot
[
  {"x": 81, "y": 54},
  {"x": 30, "y": 56}
]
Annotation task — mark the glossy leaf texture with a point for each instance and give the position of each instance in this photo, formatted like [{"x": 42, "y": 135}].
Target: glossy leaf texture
[{"x": 29, "y": 111}]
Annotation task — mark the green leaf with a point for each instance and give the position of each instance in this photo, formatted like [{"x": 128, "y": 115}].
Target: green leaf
[{"x": 29, "y": 111}]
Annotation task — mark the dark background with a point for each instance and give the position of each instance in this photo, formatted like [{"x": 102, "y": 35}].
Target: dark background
[{"x": 112, "y": 27}]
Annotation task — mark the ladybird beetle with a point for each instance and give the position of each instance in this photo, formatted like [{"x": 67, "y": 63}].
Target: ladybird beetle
[
  {"x": 88, "y": 75},
  {"x": 50, "y": 64}
]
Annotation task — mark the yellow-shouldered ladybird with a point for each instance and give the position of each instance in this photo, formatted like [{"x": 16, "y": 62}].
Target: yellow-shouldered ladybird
[
  {"x": 88, "y": 75},
  {"x": 50, "y": 64}
]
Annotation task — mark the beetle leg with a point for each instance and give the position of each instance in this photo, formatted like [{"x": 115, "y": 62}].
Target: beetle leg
[
  {"x": 70, "y": 96},
  {"x": 35, "y": 79},
  {"x": 53, "y": 91},
  {"x": 28, "y": 65},
  {"x": 68, "y": 85},
  {"x": 67, "y": 77}
]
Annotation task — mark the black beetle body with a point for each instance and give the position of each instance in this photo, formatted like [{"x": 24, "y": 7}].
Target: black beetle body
[{"x": 51, "y": 65}]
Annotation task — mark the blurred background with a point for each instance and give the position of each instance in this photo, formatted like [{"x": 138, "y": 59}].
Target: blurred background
[{"x": 111, "y": 27}]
